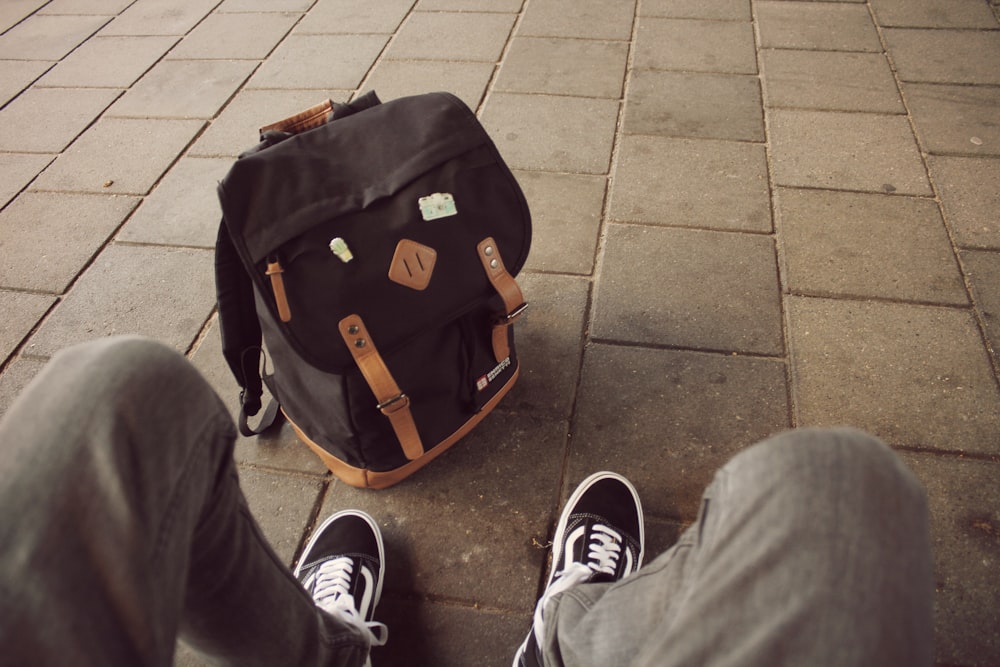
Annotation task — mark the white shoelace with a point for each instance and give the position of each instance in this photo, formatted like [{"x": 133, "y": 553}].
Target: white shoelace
[
  {"x": 331, "y": 593},
  {"x": 604, "y": 551}
]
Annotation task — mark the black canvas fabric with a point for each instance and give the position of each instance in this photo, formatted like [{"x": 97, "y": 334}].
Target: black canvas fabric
[{"x": 360, "y": 177}]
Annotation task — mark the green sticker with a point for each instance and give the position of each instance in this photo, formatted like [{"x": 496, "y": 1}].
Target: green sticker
[{"x": 437, "y": 205}]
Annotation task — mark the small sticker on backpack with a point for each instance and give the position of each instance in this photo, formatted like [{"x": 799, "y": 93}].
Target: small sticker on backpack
[
  {"x": 437, "y": 205},
  {"x": 484, "y": 381}
]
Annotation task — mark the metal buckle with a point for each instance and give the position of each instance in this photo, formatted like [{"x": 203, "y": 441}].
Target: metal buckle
[
  {"x": 395, "y": 399},
  {"x": 517, "y": 312}
]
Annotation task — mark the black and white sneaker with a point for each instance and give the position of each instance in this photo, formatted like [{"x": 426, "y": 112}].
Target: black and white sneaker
[
  {"x": 599, "y": 537},
  {"x": 341, "y": 568}
]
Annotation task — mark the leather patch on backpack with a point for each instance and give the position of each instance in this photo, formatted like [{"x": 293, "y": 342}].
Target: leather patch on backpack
[{"x": 412, "y": 264}]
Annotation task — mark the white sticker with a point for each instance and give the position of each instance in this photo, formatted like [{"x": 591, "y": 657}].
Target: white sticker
[{"x": 437, "y": 205}]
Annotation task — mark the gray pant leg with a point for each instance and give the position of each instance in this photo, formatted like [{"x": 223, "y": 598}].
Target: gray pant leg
[
  {"x": 123, "y": 521},
  {"x": 811, "y": 548}
]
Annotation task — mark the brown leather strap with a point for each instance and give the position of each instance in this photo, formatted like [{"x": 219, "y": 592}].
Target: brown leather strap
[
  {"x": 392, "y": 402},
  {"x": 310, "y": 118},
  {"x": 274, "y": 270},
  {"x": 507, "y": 288}
]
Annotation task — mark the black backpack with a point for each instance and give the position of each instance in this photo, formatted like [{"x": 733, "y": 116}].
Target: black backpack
[{"x": 374, "y": 246}]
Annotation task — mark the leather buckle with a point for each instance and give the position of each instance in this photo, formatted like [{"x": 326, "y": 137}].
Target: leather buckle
[
  {"x": 513, "y": 315},
  {"x": 403, "y": 400}
]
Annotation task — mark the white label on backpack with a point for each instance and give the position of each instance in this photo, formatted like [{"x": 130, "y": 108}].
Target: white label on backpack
[
  {"x": 485, "y": 380},
  {"x": 437, "y": 205}
]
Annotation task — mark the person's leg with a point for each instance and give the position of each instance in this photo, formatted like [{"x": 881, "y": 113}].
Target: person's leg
[
  {"x": 123, "y": 520},
  {"x": 811, "y": 548}
]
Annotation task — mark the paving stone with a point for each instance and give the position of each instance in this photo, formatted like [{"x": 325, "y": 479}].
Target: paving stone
[
  {"x": 119, "y": 156},
  {"x": 983, "y": 271},
  {"x": 294, "y": 63},
  {"x": 489, "y": 498},
  {"x": 704, "y": 106},
  {"x": 160, "y": 17},
  {"x": 276, "y": 6},
  {"x": 184, "y": 207},
  {"x": 689, "y": 288},
  {"x": 349, "y": 17},
  {"x": 22, "y": 311},
  {"x": 583, "y": 19},
  {"x": 108, "y": 62},
  {"x": 965, "y": 539},
  {"x": 955, "y": 119},
  {"x": 101, "y": 7},
  {"x": 722, "y": 10},
  {"x": 15, "y": 378},
  {"x": 16, "y": 75},
  {"x": 668, "y": 419},
  {"x": 945, "y": 56},
  {"x": 551, "y": 133},
  {"x": 162, "y": 293},
  {"x": 689, "y": 183},
  {"x": 452, "y": 36},
  {"x": 566, "y": 220},
  {"x": 585, "y": 68},
  {"x": 46, "y": 120},
  {"x": 847, "y": 151},
  {"x": 916, "y": 376},
  {"x": 48, "y": 37},
  {"x": 13, "y": 12},
  {"x": 829, "y": 80},
  {"x": 969, "y": 195},
  {"x": 282, "y": 504},
  {"x": 237, "y": 127},
  {"x": 184, "y": 89},
  {"x": 805, "y": 25},
  {"x": 399, "y": 78},
  {"x": 867, "y": 246},
  {"x": 932, "y": 14},
  {"x": 235, "y": 36},
  {"x": 549, "y": 342},
  {"x": 695, "y": 46},
  {"x": 17, "y": 170},
  {"x": 49, "y": 238},
  {"x": 508, "y": 6}
]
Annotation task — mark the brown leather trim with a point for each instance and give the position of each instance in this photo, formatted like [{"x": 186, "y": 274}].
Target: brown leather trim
[
  {"x": 274, "y": 270},
  {"x": 311, "y": 118},
  {"x": 412, "y": 264},
  {"x": 507, "y": 288},
  {"x": 392, "y": 402},
  {"x": 364, "y": 478}
]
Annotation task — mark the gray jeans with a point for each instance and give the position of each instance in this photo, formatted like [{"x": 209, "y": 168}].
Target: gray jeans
[{"x": 124, "y": 525}]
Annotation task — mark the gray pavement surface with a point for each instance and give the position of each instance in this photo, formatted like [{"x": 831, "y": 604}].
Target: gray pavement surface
[{"x": 749, "y": 215}]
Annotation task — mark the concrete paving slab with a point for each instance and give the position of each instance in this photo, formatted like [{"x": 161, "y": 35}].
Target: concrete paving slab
[
  {"x": 867, "y": 246},
  {"x": 347, "y": 17},
  {"x": 162, "y": 293},
  {"x": 983, "y": 271},
  {"x": 816, "y": 26},
  {"x": 451, "y": 36},
  {"x": 100, "y": 7},
  {"x": 860, "y": 151},
  {"x": 916, "y": 376},
  {"x": 16, "y": 75},
  {"x": 689, "y": 288},
  {"x": 47, "y": 120},
  {"x": 585, "y": 68},
  {"x": 698, "y": 106},
  {"x": 507, "y": 6},
  {"x": 549, "y": 341},
  {"x": 49, "y": 238},
  {"x": 392, "y": 79},
  {"x": 16, "y": 376},
  {"x": 293, "y": 63},
  {"x": 13, "y": 12},
  {"x": 275, "y": 6},
  {"x": 282, "y": 504},
  {"x": 583, "y": 19},
  {"x": 829, "y": 80},
  {"x": 695, "y": 46},
  {"x": 119, "y": 156},
  {"x": 965, "y": 537},
  {"x": 22, "y": 312},
  {"x": 235, "y": 37},
  {"x": 958, "y": 120},
  {"x": 566, "y": 220},
  {"x": 691, "y": 183},
  {"x": 931, "y": 14},
  {"x": 184, "y": 89},
  {"x": 109, "y": 62},
  {"x": 721, "y": 10},
  {"x": 549, "y": 133},
  {"x": 945, "y": 56},
  {"x": 17, "y": 170},
  {"x": 48, "y": 37},
  {"x": 236, "y": 128},
  {"x": 183, "y": 209},
  {"x": 970, "y": 198},
  {"x": 160, "y": 17},
  {"x": 668, "y": 419}
]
